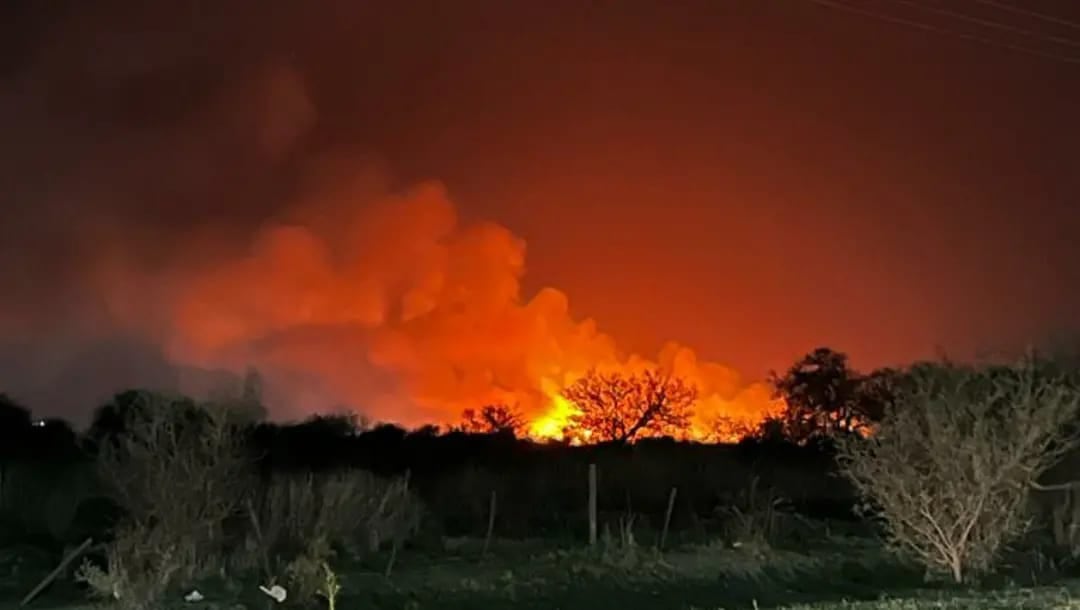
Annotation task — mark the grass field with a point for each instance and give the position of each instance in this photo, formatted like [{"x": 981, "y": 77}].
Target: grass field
[{"x": 837, "y": 573}]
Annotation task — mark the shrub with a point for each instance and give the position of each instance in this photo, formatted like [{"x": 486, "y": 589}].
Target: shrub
[
  {"x": 353, "y": 510},
  {"x": 178, "y": 472},
  {"x": 751, "y": 517},
  {"x": 950, "y": 469},
  {"x": 305, "y": 572},
  {"x": 142, "y": 563}
]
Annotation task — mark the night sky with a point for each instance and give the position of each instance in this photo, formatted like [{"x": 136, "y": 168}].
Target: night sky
[{"x": 750, "y": 178}]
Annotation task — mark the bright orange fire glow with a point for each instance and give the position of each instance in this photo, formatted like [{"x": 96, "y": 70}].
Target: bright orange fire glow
[
  {"x": 390, "y": 306},
  {"x": 550, "y": 423}
]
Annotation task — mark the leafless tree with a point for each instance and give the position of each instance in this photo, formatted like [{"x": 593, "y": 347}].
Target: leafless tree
[
  {"x": 621, "y": 407},
  {"x": 178, "y": 471},
  {"x": 492, "y": 419},
  {"x": 950, "y": 469}
]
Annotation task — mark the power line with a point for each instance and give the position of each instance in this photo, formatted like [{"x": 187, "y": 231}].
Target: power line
[
  {"x": 991, "y": 24},
  {"x": 926, "y": 27},
  {"x": 1023, "y": 11}
]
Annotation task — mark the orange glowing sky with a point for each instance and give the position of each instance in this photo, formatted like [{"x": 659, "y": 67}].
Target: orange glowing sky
[{"x": 580, "y": 183}]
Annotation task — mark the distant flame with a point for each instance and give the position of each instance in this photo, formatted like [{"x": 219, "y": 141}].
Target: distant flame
[
  {"x": 395, "y": 309},
  {"x": 554, "y": 421}
]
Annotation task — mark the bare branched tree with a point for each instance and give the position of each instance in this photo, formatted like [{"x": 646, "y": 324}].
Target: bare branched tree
[
  {"x": 950, "y": 469},
  {"x": 617, "y": 407},
  {"x": 178, "y": 471},
  {"x": 492, "y": 419}
]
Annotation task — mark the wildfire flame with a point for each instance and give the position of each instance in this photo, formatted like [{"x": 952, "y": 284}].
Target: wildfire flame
[
  {"x": 550, "y": 423},
  {"x": 391, "y": 306}
]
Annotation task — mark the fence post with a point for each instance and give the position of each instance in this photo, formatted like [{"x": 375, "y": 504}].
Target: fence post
[
  {"x": 592, "y": 504},
  {"x": 491, "y": 524},
  {"x": 667, "y": 516}
]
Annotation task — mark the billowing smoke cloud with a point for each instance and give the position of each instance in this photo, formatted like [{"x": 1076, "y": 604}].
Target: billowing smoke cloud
[
  {"x": 131, "y": 157},
  {"x": 173, "y": 214},
  {"x": 393, "y": 306}
]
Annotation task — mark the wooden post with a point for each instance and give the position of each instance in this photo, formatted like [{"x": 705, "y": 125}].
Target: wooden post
[
  {"x": 254, "y": 517},
  {"x": 397, "y": 536},
  {"x": 667, "y": 516},
  {"x": 491, "y": 524},
  {"x": 60, "y": 568},
  {"x": 392, "y": 560},
  {"x": 592, "y": 504}
]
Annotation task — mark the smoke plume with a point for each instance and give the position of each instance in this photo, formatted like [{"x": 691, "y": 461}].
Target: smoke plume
[{"x": 175, "y": 212}]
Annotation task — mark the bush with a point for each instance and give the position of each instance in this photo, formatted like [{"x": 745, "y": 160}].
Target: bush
[
  {"x": 352, "y": 510},
  {"x": 950, "y": 469},
  {"x": 178, "y": 472},
  {"x": 142, "y": 564}
]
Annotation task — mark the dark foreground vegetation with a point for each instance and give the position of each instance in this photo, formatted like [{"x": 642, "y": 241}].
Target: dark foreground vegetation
[{"x": 961, "y": 492}]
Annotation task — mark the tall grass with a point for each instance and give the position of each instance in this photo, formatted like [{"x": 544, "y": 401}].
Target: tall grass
[{"x": 354, "y": 510}]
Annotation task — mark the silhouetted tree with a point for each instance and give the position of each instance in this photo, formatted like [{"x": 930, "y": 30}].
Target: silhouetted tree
[
  {"x": 727, "y": 429},
  {"x": 492, "y": 419},
  {"x": 15, "y": 441},
  {"x": 821, "y": 393},
  {"x": 423, "y": 433},
  {"x": 337, "y": 425},
  {"x": 53, "y": 439},
  {"x": 319, "y": 442},
  {"x": 15, "y": 423},
  {"x": 12, "y": 414},
  {"x": 389, "y": 434},
  {"x": 111, "y": 419},
  {"x": 618, "y": 407},
  {"x": 876, "y": 392},
  {"x": 771, "y": 430}
]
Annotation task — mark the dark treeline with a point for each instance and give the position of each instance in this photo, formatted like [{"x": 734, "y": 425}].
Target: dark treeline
[{"x": 541, "y": 488}]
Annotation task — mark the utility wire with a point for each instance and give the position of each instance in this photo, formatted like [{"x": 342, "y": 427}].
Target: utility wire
[
  {"x": 991, "y": 24},
  {"x": 926, "y": 27},
  {"x": 1030, "y": 13}
]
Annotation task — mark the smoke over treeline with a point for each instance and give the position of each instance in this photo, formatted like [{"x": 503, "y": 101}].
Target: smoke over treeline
[{"x": 178, "y": 204}]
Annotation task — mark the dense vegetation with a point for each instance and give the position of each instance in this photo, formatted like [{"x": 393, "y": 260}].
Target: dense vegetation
[{"x": 177, "y": 493}]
